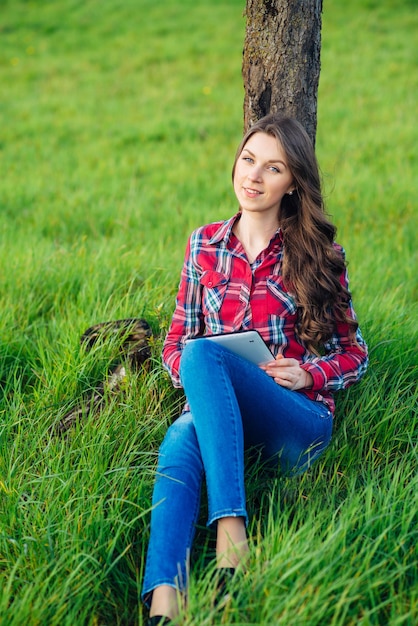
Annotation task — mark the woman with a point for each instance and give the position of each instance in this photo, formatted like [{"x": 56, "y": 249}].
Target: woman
[{"x": 274, "y": 267}]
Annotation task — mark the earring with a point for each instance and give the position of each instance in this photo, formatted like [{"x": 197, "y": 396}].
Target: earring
[{"x": 290, "y": 193}]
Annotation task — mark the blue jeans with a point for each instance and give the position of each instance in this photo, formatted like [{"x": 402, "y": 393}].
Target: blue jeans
[{"x": 234, "y": 406}]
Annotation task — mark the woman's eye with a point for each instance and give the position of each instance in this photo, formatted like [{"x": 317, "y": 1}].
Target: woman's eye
[
  {"x": 248, "y": 159},
  {"x": 275, "y": 169}
]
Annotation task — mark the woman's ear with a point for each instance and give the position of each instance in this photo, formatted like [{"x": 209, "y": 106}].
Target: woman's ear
[{"x": 292, "y": 188}]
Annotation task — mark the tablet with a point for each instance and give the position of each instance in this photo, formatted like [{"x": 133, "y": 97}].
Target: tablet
[{"x": 248, "y": 344}]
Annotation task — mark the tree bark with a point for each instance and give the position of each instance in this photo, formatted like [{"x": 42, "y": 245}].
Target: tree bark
[{"x": 281, "y": 60}]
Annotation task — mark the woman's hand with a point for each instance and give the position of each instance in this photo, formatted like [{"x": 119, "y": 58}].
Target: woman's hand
[{"x": 288, "y": 373}]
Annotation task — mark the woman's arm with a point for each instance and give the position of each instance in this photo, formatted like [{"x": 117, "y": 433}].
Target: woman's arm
[
  {"x": 343, "y": 366},
  {"x": 346, "y": 359},
  {"x": 187, "y": 319},
  {"x": 344, "y": 363},
  {"x": 337, "y": 370}
]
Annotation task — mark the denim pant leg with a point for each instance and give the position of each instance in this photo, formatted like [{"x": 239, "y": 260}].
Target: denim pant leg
[
  {"x": 176, "y": 500},
  {"x": 235, "y": 405}
]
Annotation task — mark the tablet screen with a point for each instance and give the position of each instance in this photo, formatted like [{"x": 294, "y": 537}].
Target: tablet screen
[{"x": 248, "y": 344}]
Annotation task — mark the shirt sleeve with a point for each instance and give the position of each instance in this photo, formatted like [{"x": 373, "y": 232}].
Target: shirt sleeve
[
  {"x": 345, "y": 361},
  {"x": 187, "y": 319}
]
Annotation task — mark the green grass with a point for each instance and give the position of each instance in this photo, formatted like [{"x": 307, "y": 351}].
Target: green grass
[{"x": 118, "y": 126}]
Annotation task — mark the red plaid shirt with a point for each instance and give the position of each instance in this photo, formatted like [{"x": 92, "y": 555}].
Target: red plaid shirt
[{"x": 220, "y": 291}]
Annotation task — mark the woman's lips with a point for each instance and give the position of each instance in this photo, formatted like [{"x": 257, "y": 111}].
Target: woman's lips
[{"x": 253, "y": 193}]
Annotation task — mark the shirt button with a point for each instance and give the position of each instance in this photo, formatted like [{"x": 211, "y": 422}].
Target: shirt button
[{"x": 210, "y": 283}]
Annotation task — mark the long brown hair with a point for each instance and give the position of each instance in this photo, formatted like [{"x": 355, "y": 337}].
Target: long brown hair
[{"x": 312, "y": 266}]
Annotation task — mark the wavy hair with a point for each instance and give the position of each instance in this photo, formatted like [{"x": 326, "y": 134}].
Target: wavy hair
[{"x": 312, "y": 265}]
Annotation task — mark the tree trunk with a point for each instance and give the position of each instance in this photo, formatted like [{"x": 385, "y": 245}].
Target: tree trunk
[{"x": 281, "y": 60}]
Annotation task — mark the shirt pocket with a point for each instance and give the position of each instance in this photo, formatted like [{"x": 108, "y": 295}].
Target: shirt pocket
[
  {"x": 214, "y": 286},
  {"x": 279, "y": 302}
]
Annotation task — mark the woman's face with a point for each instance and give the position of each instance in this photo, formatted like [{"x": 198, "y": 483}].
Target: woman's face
[{"x": 262, "y": 176}]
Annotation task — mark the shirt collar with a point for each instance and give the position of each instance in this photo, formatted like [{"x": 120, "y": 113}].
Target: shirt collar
[{"x": 224, "y": 232}]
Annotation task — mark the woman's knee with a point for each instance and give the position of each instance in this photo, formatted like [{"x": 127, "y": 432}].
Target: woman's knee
[{"x": 191, "y": 355}]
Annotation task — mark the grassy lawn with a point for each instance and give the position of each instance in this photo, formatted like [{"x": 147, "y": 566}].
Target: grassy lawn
[{"x": 118, "y": 126}]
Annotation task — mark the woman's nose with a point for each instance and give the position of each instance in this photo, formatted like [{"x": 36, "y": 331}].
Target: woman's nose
[{"x": 255, "y": 173}]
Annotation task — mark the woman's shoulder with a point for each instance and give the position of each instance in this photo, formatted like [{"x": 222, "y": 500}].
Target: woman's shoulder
[
  {"x": 208, "y": 229},
  {"x": 212, "y": 232}
]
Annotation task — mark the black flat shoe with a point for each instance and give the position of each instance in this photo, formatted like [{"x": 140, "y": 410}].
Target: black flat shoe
[{"x": 158, "y": 620}]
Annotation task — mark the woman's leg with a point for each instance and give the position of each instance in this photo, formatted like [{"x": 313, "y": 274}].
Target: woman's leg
[
  {"x": 176, "y": 500},
  {"x": 232, "y": 402},
  {"x": 231, "y": 542},
  {"x": 235, "y": 404}
]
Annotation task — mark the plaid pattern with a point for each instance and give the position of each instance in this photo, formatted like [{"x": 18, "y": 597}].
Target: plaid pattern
[{"x": 221, "y": 292}]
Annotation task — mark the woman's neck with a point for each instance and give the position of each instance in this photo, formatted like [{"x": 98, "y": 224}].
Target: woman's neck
[{"x": 255, "y": 233}]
